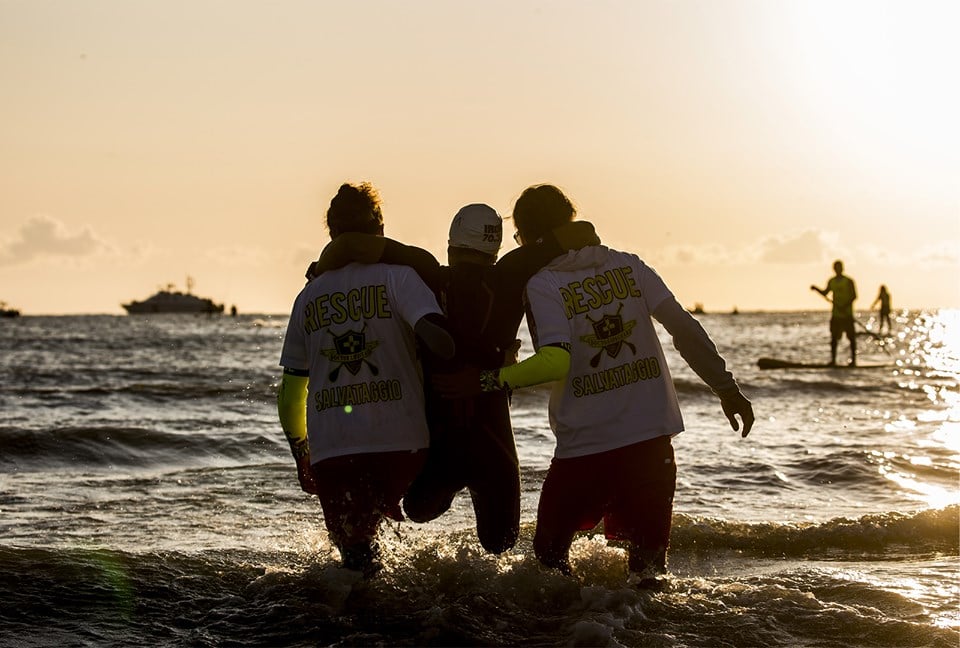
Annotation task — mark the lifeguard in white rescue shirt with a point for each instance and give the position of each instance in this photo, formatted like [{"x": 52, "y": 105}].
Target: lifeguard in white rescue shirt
[{"x": 351, "y": 397}]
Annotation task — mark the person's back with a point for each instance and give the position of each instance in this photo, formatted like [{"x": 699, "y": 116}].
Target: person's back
[
  {"x": 471, "y": 438},
  {"x": 479, "y": 313},
  {"x": 364, "y": 376},
  {"x": 613, "y": 409},
  {"x": 472, "y": 444},
  {"x": 619, "y": 390},
  {"x": 351, "y": 397}
]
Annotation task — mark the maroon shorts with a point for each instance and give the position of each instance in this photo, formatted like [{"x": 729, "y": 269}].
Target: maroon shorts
[
  {"x": 631, "y": 489},
  {"x": 358, "y": 491}
]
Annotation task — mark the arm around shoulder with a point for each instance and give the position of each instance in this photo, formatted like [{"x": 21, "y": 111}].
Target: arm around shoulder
[
  {"x": 524, "y": 262},
  {"x": 421, "y": 261},
  {"x": 433, "y": 331},
  {"x": 347, "y": 248}
]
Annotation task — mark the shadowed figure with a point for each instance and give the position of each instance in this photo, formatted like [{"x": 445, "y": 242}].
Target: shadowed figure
[
  {"x": 350, "y": 350},
  {"x": 613, "y": 408},
  {"x": 471, "y": 438},
  {"x": 883, "y": 298},
  {"x": 842, "y": 322}
]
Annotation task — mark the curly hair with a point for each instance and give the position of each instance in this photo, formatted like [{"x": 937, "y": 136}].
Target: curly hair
[
  {"x": 541, "y": 208},
  {"x": 355, "y": 208}
]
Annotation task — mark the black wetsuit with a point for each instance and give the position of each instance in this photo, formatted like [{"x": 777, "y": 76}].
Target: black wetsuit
[{"x": 471, "y": 440}]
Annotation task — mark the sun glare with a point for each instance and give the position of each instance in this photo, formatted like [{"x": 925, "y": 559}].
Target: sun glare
[
  {"x": 933, "y": 496},
  {"x": 880, "y": 67},
  {"x": 934, "y": 344},
  {"x": 943, "y": 350}
]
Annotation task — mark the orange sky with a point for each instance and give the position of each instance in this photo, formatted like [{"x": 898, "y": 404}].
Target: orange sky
[{"x": 739, "y": 147}]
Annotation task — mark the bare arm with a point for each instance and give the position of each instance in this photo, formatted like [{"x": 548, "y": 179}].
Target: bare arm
[{"x": 358, "y": 247}]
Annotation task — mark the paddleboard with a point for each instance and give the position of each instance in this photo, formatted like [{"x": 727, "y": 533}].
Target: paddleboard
[{"x": 777, "y": 363}]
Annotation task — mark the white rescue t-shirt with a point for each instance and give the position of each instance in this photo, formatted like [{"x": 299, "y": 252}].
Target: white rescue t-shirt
[
  {"x": 618, "y": 390},
  {"x": 352, "y": 329}
]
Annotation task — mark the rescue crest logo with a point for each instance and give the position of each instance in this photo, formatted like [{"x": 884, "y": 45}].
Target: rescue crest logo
[
  {"x": 351, "y": 350},
  {"x": 610, "y": 334}
]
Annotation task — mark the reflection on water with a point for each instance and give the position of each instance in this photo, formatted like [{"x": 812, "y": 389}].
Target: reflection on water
[
  {"x": 143, "y": 458},
  {"x": 932, "y": 341},
  {"x": 930, "y": 345},
  {"x": 949, "y": 437},
  {"x": 930, "y": 494}
]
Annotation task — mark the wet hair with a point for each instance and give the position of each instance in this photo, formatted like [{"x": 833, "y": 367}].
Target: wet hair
[
  {"x": 355, "y": 208},
  {"x": 541, "y": 208}
]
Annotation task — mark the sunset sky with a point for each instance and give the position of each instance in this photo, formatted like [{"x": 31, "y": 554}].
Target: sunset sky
[{"x": 738, "y": 146}]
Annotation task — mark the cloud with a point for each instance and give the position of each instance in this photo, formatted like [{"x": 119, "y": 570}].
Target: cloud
[
  {"x": 795, "y": 248},
  {"x": 303, "y": 255},
  {"x": 942, "y": 254},
  {"x": 240, "y": 257},
  {"x": 810, "y": 246},
  {"x": 879, "y": 255},
  {"x": 708, "y": 254},
  {"x": 805, "y": 248},
  {"x": 44, "y": 236}
]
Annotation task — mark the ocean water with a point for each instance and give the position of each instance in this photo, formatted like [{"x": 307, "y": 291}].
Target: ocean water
[{"x": 147, "y": 497}]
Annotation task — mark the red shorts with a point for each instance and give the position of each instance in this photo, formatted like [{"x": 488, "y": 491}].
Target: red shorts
[
  {"x": 631, "y": 489},
  {"x": 358, "y": 491}
]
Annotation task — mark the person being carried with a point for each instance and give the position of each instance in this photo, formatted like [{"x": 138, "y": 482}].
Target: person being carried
[
  {"x": 613, "y": 407},
  {"x": 883, "y": 298},
  {"x": 841, "y": 318},
  {"x": 472, "y": 444},
  {"x": 350, "y": 353}
]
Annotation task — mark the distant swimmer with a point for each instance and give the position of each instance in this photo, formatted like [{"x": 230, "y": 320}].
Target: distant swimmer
[
  {"x": 884, "y": 300},
  {"x": 841, "y": 319}
]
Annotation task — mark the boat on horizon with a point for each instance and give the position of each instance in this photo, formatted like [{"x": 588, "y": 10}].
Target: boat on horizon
[
  {"x": 8, "y": 312},
  {"x": 170, "y": 300}
]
